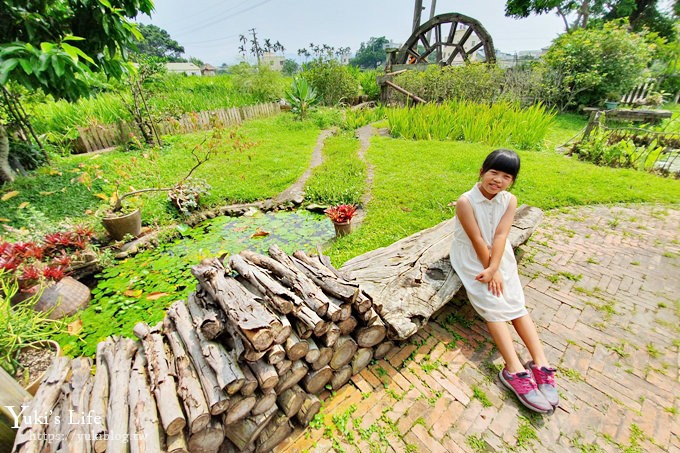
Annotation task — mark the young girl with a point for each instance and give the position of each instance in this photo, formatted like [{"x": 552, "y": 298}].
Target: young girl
[{"x": 485, "y": 262}]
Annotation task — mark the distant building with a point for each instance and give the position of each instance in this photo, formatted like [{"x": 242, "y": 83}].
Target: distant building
[
  {"x": 208, "y": 70},
  {"x": 272, "y": 60},
  {"x": 183, "y": 68}
]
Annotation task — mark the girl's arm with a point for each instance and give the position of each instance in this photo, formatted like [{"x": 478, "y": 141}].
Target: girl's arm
[
  {"x": 501, "y": 235},
  {"x": 490, "y": 274},
  {"x": 466, "y": 217}
]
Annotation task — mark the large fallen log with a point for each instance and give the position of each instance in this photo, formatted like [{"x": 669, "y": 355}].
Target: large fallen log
[
  {"x": 413, "y": 278},
  {"x": 240, "y": 305}
]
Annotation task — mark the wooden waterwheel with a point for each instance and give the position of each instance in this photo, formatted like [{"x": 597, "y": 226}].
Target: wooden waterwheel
[{"x": 447, "y": 39}]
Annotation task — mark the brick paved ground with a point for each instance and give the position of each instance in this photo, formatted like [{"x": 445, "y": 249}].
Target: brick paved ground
[{"x": 602, "y": 285}]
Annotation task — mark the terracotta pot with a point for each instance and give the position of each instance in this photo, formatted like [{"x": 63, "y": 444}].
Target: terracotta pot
[
  {"x": 119, "y": 226},
  {"x": 32, "y": 387},
  {"x": 63, "y": 298},
  {"x": 342, "y": 229}
]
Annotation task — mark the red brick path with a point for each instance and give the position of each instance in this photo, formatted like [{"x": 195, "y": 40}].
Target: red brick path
[{"x": 603, "y": 286}]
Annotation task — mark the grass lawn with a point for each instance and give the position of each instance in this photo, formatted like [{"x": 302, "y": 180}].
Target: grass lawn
[
  {"x": 69, "y": 188},
  {"x": 416, "y": 180}
]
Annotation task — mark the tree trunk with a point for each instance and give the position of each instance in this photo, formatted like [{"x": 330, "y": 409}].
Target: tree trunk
[
  {"x": 239, "y": 304},
  {"x": 361, "y": 359},
  {"x": 348, "y": 325},
  {"x": 99, "y": 399},
  {"x": 217, "y": 400},
  {"x": 176, "y": 443},
  {"x": 295, "y": 347},
  {"x": 239, "y": 408},
  {"x": 284, "y": 300},
  {"x": 144, "y": 425},
  {"x": 244, "y": 433},
  {"x": 290, "y": 401},
  {"x": 265, "y": 400},
  {"x": 118, "y": 358},
  {"x": 77, "y": 406},
  {"x": 163, "y": 381},
  {"x": 341, "y": 377},
  {"x": 310, "y": 407},
  {"x": 30, "y": 435},
  {"x": 372, "y": 334},
  {"x": 331, "y": 336},
  {"x": 382, "y": 349},
  {"x": 250, "y": 384},
  {"x": 343, "y": 352},
  {"x": 325, "y": 356},
  {"x": 275, "y": 354},
  {"x": 283, "y": 366},
  {"x": 315, "y": 381},
  {"x": 189, "y": 386},
  {"x": 313, "y": 352},
  {"x": 209, "y": 439},
  {"x": 228, "y": 373},
  {"x": 265, "y": 373},
  {"x": 276, "y": 431},
  {"x": 292, "y": 377},
  {"x": 6, "y": 173}
]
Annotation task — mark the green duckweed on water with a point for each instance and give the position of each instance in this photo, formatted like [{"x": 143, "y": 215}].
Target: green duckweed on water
[{"x": 140, "y": 288}]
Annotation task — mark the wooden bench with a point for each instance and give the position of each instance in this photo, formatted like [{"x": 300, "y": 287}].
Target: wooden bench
[{"x": 413, "y": 277}]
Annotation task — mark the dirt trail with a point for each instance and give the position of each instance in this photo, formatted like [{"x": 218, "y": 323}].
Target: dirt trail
[{"x": 364, "y": 135}]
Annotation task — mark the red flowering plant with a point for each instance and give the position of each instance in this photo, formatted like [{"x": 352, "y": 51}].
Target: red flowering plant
[
  {"x": 341, "y": 213},
  {"x": 31, "y": 263}
]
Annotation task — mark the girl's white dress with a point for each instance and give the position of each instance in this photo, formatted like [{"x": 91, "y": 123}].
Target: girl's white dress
[{"x": 488, "y": 213}]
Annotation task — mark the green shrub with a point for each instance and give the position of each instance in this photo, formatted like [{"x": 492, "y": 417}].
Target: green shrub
[
  {"x": 301, "y": 97},
  {"x": 355, "y": 119},
  {"x": 603, "y": 149},
  {"x": 587, "y": 66},
  {"x": 262, "y": 83},
  {"x": 477, "y": 82},
  {"x": 333, "y": 81},
  {"x": 500, "y": 124}
]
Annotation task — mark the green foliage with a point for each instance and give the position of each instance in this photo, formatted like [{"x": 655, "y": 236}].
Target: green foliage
[
  {"x": 603, "y": 149},
  {"x": 20, "y": 323},
  {"x": 355, "y": 119},
  {"x": 158, "y": 43},
  {"x": 69, "y": 189},
  {"x": 587, "y": 66},
  {"x": 301, "y": 97},
  {"x": 369, "y": 84},
  {"x": 371, "y": 53},
  {"x": 290, "y": 67},
  {"x": 332, "y": 81},
  {"x": 477, "y": 82},
  {"x": 341, "y": 178},
  {"x": 498, "y": 124},
  {"x": 261, "y": 83}
]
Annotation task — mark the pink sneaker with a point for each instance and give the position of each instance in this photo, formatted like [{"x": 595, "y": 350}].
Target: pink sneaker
[
  {"x": 545, "y": 381},
  {"x": 524, "y": 387}
]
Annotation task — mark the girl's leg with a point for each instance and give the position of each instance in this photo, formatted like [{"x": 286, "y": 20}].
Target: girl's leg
[
  {"x": 501, "y": 336},
  {"x": 526, "y": 329}
]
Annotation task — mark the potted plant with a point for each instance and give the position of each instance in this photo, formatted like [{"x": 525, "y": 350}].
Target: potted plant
[
  {"x": 25, "y": 349},
  {"x": 184, "y": 195},
  {"x": 43, "y": 267},
  {"x": 341, "y": 215},
  {"x": 613, "y": 99}
]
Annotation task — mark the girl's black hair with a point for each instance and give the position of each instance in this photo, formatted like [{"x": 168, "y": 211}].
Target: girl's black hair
[{"x": 504, "y": 160}]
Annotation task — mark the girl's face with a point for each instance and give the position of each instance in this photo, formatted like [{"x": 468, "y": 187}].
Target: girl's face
[{"x": 493, "y": 182}]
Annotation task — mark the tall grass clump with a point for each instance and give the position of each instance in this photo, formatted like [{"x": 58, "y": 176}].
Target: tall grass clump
[
  {"x": 499, "y": 124},
  {"x": 355, "y": 119},
  {"x": 341, "y": 178}
]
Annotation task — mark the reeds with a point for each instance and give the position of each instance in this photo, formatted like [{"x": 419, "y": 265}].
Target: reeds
[{"x": 499, "y": 124}]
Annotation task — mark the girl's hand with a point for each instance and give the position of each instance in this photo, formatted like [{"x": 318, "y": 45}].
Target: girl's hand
[{"x": 493, "y": 279}]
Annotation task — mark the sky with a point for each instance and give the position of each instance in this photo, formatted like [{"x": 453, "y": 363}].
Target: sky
[{"x": 210, "y": 29}]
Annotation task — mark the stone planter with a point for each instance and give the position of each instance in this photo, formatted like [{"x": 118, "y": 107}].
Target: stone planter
[
  {"x": 40, "y": 354},
  {"x": 119, "y": 226}
]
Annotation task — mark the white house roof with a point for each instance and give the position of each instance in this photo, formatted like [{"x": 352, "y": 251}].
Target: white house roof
[{"x": 182, "y": 67}]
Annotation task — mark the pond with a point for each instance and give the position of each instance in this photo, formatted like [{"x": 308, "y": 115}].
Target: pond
[{"x": 140, "y": 288}]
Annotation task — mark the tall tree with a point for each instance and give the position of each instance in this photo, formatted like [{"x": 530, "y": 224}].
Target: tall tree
[
  {"x": 55, "y": 45},
  {"x": 640, "y": 13},
  {"x": 158, "y": 43},
  {"x": 371, "y": 53}
]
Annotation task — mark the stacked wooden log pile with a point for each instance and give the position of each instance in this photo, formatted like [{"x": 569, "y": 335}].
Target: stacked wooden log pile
[{"x": 231, "y": 369}]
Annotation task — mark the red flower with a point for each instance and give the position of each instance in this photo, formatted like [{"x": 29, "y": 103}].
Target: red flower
[
  {"x": 55, "y": 273},
  {"x": 341, "y": 213}
]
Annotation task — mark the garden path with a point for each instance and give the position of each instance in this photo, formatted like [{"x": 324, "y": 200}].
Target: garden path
[
  {"x": 364, "y": 135},
  {"x": 602, "y": 285},
  {"x": 296, "y": 190}
]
